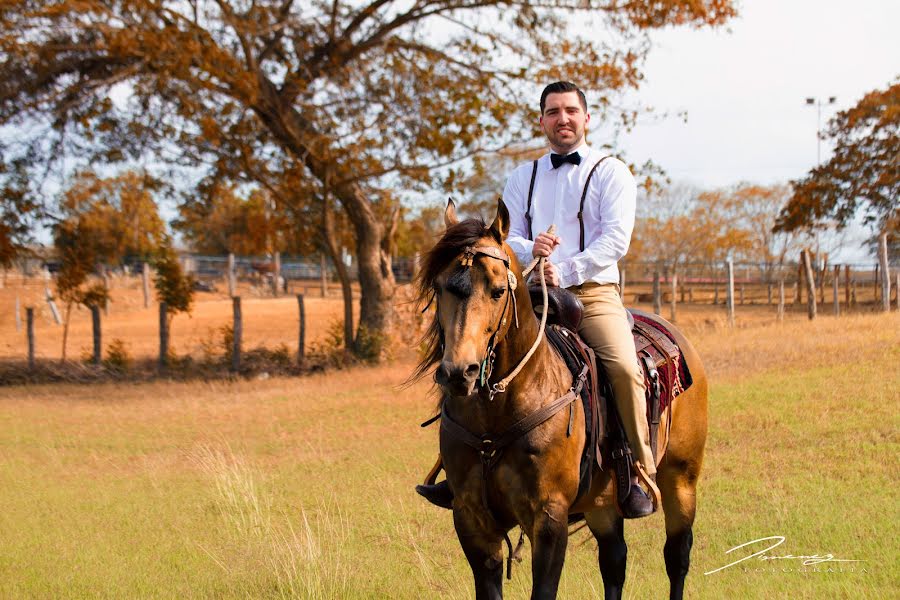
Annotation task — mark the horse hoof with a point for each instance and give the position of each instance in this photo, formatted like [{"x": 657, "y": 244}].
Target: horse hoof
[{"x": 438, "y": 494}]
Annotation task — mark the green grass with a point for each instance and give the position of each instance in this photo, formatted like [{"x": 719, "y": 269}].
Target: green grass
[{"x": 303, "y": 488}]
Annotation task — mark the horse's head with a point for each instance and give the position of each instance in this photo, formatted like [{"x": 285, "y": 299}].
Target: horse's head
[{"x": 472, "y": 277}]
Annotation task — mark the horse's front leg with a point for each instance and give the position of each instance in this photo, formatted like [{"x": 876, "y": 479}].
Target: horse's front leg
[
  {"x": 482, "y": 546},
  {"x": 549, "y": 537}
]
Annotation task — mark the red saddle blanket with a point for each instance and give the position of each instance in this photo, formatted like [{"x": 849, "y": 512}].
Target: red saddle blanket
[{"x": 655, "y": 345}]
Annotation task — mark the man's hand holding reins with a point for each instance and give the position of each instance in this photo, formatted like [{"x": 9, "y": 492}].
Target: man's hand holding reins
[{"x": 544, "y": 245}]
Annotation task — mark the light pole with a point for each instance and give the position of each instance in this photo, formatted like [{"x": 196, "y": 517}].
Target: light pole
[{"x": 818, "y": 103}]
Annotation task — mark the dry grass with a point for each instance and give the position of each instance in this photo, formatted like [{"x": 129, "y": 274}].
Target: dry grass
[
  {"x": 302, "y": 487},
  {"x": 268, "y": 321}
]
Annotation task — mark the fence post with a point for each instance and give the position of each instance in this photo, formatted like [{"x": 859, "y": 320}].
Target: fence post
[
  {"x": 875, "y": 281},
  {"x": 324, "y": 274},
  {"x": 276, "y": 274},
  {"x": 822, "y": 278},
  {"x": 742, "y": 293},
  {"x": 729, "y": 293},
  {"x": 230, "y": 275},
  {"x": 301, "y": 345},
  {"x": 810, "y": 285},
  {"x": 715, "y": 276},
  {"x": 18, "y": 314},
  {"x": 836, "y": 284},
  {"x": 769, "y": 293},
  {"x": 853, "y": 292},
  {"x": 237, "y": 330},
  {"x": 781, "y": 300},
  {"x": 847, "y": 285},
  {"x": 145, "y": 281},
  {"x": 29, "y": 324},
  {"x": 657, "y": 296},
  {"x": 95, "y": 323},
  {"x": 674, "y": 297},
  {"x": 163, "y": 335},
  {"x": 885, "y": 274},
  {"x": 897, "y": 290}
]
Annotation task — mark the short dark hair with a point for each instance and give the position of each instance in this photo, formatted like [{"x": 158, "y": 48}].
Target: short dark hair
[{"x": 561, "y": 87}]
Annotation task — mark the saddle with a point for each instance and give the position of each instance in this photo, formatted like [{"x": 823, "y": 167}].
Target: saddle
[{"x": 665, "y": 377}]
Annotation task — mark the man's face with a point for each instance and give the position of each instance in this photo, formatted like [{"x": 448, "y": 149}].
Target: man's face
[{"x": 564, "y": 121}]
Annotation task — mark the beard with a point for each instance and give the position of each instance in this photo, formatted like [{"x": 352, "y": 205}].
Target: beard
[{"x": 566, "y": 139}]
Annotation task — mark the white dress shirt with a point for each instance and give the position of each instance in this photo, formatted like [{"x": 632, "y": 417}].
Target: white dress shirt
[{"x": 609, "y": 210}]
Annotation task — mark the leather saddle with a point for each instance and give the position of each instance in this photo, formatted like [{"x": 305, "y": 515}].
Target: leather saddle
[{"x": 665, "y": 376}]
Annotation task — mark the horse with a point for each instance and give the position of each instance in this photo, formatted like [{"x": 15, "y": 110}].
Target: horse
[{"x": 503, "y": 475}]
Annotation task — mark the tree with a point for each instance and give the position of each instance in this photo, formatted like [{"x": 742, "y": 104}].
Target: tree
[
  {"x": 18, "y": 212},
  {"x": 681, "y": 223},
  {"x": 173, "y": 285},
  {"x": 78, "y": 260},
  {"x": 364, "y": 97},
  {"x": 757, "y": 208},
  {"x": 225, "y": 222},
  {"x": 116, "y": 216},
  {"x": 863, "y": 174}
]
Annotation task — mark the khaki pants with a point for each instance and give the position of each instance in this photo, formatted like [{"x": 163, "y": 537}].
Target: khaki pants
[{"x": 605, "y": 329}]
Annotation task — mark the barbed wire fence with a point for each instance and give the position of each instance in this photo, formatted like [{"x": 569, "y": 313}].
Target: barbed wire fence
[{"x": 836, "y": 289}]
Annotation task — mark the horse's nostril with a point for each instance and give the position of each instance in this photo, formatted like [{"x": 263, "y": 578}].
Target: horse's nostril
[
  {"x": 442, "y": 374},
  {"x": 472, "y": 370}
]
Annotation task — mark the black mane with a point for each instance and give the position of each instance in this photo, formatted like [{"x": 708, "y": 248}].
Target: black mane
[{"x": 457, "y": 238}]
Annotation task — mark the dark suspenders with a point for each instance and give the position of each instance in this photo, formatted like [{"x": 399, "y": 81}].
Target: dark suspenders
[
  {"x": 530, "y": 194},
  {"x": 580, "y": 206}
]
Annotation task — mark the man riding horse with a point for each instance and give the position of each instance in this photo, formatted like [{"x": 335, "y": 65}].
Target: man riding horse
[{"x": 590, "y": 197}]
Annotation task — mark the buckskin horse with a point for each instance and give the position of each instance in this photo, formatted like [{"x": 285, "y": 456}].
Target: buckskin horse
[{"x": 511, "y": 439}]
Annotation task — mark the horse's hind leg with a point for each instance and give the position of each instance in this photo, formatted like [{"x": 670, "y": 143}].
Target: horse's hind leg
[
  {"x": 678, "y": 489},
  {"x": 485, "y": 555},
  {"x": 609, "y": 530}
]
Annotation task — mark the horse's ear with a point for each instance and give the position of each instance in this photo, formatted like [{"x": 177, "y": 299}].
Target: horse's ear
[
  {"x": 450, "y": 217},
  {"x": 500, "y": 226}
]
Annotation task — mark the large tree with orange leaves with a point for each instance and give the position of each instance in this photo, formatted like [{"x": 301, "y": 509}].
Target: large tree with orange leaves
[
  {"x": 364, "y": 96},
  {"x": 862, "y": 176}
]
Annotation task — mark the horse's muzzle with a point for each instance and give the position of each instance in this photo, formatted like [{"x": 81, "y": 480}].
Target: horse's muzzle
[{"x": 456, "y": 380}]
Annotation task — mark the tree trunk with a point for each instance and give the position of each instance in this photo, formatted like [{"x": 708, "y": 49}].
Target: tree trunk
[
  {"x": 66, "y": 331},
  {"x": 331, "y": 247},
  {"x": 376, "y": 280}
]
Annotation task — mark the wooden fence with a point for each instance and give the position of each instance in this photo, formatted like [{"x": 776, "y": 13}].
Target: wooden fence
[{"x": 837, "y": 289}]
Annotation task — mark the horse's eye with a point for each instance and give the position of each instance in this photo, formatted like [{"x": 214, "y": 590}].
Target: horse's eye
[{"x": 498, "y": 293}]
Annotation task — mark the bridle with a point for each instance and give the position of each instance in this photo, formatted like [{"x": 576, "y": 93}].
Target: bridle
[{"x": 487, "y": 364}]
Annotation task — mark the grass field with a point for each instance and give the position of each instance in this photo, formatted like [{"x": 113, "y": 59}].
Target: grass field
[{"x": 303, "y": 487}]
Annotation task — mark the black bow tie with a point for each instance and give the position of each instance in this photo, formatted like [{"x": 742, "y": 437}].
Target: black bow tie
[{"x": 558, "y": 159}]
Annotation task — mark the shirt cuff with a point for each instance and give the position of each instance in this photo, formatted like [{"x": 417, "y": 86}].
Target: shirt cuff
[{"x": 568, "y": 275}]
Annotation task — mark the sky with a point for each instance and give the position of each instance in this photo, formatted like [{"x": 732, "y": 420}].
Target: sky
[{"x": 744, "y": 87}]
